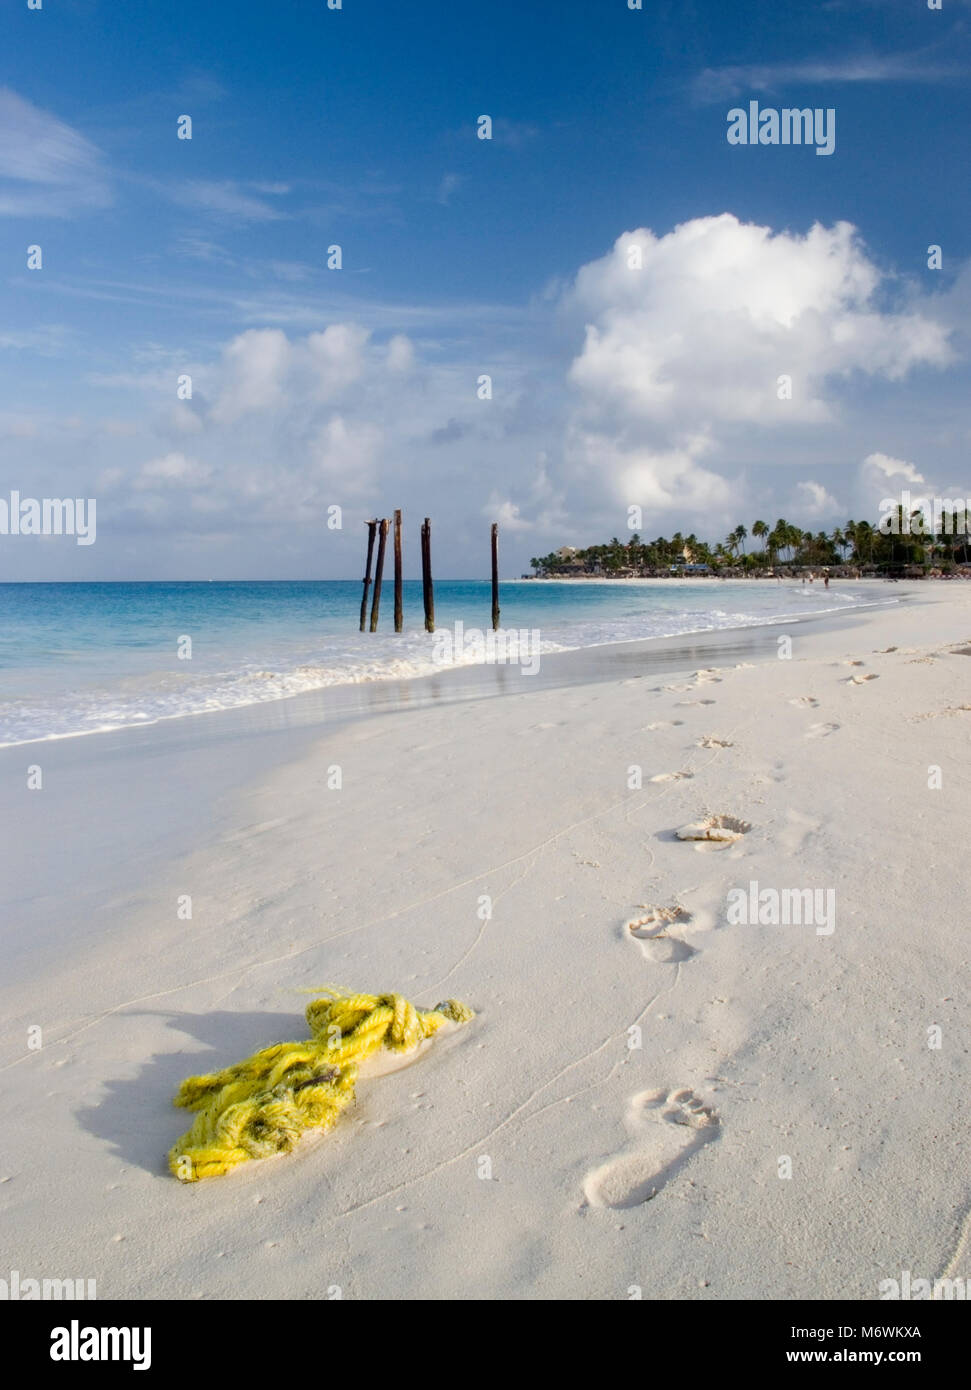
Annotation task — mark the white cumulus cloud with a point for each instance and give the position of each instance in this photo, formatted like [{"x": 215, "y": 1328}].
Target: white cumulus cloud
[
  {"x": 691, "y": 337},
  {"x": 255, "y": 364}
]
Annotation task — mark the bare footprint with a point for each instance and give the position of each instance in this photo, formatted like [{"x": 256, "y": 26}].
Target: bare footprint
[
  {"x": 797, "y": 831},
  {"x": 666, "y": 1129},
  {"x": 655, "y": 919},
  {"x": 650, "y": 930},
  {"x": 710, "y": 741},
  {"x": 664, "y": 724},
  {"x": 671, "y": 776},
  {"x": 666, "y": 950},
  {"x": 821, "y": 730},
  {"x": 805, "y": 702},
  {"x": 716, "y": 832},
  {"x": 861, "y": 680},
  {"x": 682, "y": 704}
]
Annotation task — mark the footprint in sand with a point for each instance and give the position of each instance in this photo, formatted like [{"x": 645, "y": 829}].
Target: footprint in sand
[
  {"x": 714, "y": 832},
  {"x": 710, "y": 741},
  {"x": 821, "y": 730},
  {"x": 666, "y": 1129},
  {"x": 650, "y": 930},
  {"x": 862, "y": 680},
  {"x": 671, "y": 776},
  {"x": 664, "y": 724},
  {"x": 797, "y": 831},
  {"x": 805, "y": 702},
  {"x": 682, "y": 704}
]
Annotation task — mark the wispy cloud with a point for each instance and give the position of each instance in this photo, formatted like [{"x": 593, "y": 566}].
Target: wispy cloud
[
  {"x": 199, "y": 248},
  {"x": 372, "y": 198},
  {"x": 716, "y": 84},
  {"x": 47, "y": 340},
  {"x": 230, "y": 200},
  {"x": 46, "y": 168},
  {"x": 440, "y": 325}
]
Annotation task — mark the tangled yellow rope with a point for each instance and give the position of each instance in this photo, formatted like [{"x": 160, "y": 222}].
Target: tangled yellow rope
[{"x": 263, "y": 1105}]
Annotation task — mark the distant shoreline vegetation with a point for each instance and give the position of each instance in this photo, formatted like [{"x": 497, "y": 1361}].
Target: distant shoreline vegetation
[{"x": 900, "y": 550}]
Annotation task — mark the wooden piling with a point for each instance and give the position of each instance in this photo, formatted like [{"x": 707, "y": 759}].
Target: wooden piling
[
  {"x": 398, "y": 608},
  {"x": 371, "y": 528},
  {"x": 378, "y": 573},
  {"x": 495, "y": 576},
  {"x": 427, "y": 588}
]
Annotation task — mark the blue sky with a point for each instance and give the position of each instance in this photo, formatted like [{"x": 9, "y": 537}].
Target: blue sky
[{"x": 464, "y": 257}]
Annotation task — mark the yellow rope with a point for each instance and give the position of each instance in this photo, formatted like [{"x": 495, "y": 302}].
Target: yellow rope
[{"x": 263, "y": 1105}]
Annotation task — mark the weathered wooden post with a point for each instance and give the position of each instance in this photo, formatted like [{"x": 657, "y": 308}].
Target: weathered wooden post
[
  {"x": 398, "y": 611},
  {"x": 495, "y": 576},
  {"x": 378, "y": 572},
  {"x": 428, "y": 592},
  {"x": 371, "y": 528}
]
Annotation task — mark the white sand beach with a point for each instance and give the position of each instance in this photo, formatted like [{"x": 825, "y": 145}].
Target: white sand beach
[{"x": 618, "y": 1116}]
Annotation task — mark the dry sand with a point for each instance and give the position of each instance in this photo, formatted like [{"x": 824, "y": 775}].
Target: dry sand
[{"x": 618, "y": 1115}]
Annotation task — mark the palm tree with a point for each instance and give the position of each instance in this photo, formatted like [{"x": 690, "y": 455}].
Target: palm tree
[
  {"x": 760, "y": 530},
  {"x": 784, "y": 536},
  {"x": 863, "y": 538},
  {"x": 616, "y": 554}
]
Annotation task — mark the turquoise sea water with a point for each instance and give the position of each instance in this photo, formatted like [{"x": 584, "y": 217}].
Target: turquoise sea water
[{"x": 77, "y": 658}]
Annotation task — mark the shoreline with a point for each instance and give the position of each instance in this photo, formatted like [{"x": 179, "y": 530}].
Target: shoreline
[{"x": 338, "y": 689}]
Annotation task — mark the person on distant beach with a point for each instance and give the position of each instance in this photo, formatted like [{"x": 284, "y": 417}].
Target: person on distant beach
[{"x": 826, "y": 579}]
